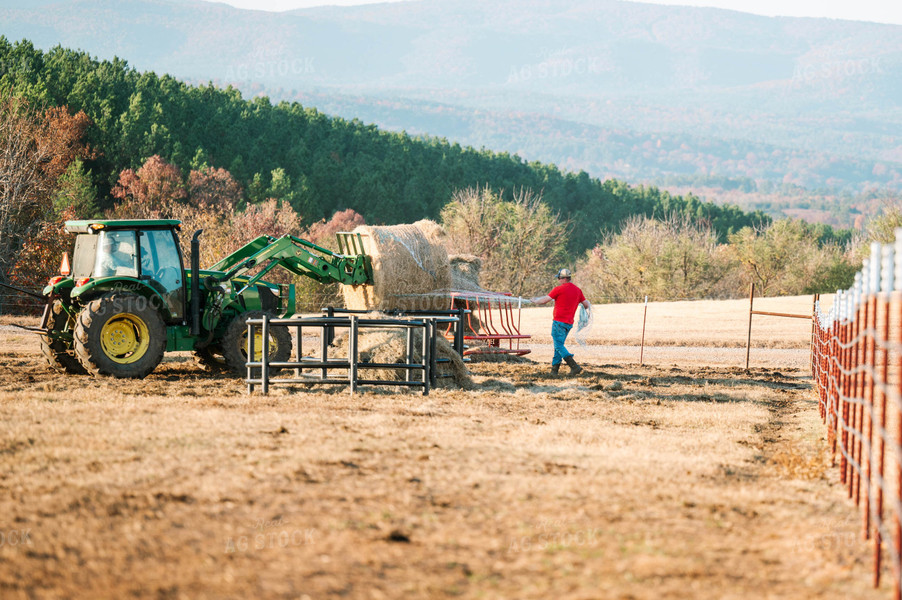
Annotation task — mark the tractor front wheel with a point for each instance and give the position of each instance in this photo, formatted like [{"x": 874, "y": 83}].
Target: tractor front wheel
[
  {"x": 121, "y": 335},
  {"x": 234, "y": 343},
  {"x": 59, "y": 351}
]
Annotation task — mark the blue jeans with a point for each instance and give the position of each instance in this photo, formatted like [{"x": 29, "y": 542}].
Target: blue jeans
[{"x": 559, "y": 333}]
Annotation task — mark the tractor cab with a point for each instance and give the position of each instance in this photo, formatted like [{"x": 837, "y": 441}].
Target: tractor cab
[{"x": 141, "y": 256}]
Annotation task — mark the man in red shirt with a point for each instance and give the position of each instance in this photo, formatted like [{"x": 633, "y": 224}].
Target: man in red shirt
[{"x": 567, "y": 298}]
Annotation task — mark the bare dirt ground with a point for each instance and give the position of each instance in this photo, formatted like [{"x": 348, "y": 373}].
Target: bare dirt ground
[{"x": 669, "y": 480}]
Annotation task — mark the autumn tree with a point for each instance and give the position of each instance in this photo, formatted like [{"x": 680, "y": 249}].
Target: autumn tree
[
  {"x": 323, "y": 232},
  {"x": 23, "y": 184},
  {"x": 36, "y": 149},
  {"x": 208, "y": 202},
  {"x": 213, "y": 196},
  {"x": 151, "y": 192},
  {"x": 786, "y": 258},
  {"x": 521, "y": 242},
  {"x": 41, "y": 254},
  {"x": 214, "y": 188},
  {"x": 270, "y": 217},
  {"x": 668, "y": 259},
  {"x": 880, "y": 228},
  {"x": 157, "y": 191}
]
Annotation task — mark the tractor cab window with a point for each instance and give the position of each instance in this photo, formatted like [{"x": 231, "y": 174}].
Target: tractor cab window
[
  {"x": 116, "y": 254},
  {"x": 85, "y": 255},
  {"x": 161, "y": 266}
]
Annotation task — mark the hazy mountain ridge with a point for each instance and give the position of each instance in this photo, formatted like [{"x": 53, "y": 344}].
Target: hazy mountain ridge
[
  {"x": 581, "y": 45},
  {"x": 616, "y": 34},
  {"x": 622, "y": 153},
  {"x": 815, "y": 102}
]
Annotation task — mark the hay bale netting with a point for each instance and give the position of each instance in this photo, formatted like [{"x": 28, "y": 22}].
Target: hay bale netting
[
  {"x": 411, "y": 269},
  {"x": 389, "y": 346}
]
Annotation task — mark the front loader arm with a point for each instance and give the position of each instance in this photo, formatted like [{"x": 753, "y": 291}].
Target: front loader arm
[{"x": 299, "y": 257}]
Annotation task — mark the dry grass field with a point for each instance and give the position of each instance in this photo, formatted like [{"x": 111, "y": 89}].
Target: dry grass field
[
  {"x": 718, "y": 324},
  {"x": 675, "y": 479}
]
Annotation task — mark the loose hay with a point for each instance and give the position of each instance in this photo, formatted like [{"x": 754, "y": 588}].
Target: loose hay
[
  {"x": 411, "y": 269},
  {"x": 489, "y": 354},
  {"x": 794, "y": 462},
  {"x": 389, "y": 346}
]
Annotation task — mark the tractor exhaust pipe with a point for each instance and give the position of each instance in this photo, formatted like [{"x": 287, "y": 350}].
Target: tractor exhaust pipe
[{"x": 195, "y": 283}]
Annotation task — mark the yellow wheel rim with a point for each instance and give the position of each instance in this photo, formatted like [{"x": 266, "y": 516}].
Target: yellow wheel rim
[
  {"x": 125, "y": 338},
  {"x": 258, "y": 345}
]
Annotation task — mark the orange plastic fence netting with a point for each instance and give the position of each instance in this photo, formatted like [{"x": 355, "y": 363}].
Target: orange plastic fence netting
[{"x": 856, "y": 363}]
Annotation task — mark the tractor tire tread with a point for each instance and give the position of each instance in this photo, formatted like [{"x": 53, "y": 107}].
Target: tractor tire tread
[
  {"x": 233, "y": 349},
  {"x": 60, "y": 356},
  {"x": 96, "y": 314}
]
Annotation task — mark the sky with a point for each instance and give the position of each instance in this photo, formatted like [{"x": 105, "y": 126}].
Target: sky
[{"x": 881, "y": 11}]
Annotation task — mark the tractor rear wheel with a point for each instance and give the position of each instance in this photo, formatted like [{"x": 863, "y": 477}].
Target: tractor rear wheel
[
  {"x": 59, "y": 352},
  {"x": 121, "y": 335},
  {"x": 234, "y": 343}
]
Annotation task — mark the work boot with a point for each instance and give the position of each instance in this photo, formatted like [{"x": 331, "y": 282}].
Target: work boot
[
  {"x": 555, "y": 369},
  {"x": 575, "y": 369}
]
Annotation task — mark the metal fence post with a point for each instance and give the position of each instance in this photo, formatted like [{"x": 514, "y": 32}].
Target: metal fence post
[
  {"x": 249, "y": 371},
  {"x": 748, "y": 343},
  {"x": 427, "y": 377},
  {"x": 844, "y": 393},
  {"x": 329, "y": 331},
  {"x": 459, "y": 332},
  {"x": 326, "y": 338},
  {"x": 299, "y": 348},
  {"x": 250, "y": 352},
  {"x": 408, "y": 374},
  {"x": 264, "y": 356},
  {"x": 352, "y": 353},
  {"x": 433, "y": 365},
  {"x": 861, "y": 324},
  {"x": 642, "y": 342}
]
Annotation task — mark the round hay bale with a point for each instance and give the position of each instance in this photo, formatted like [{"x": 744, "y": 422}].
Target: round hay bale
[
  {"x": 434, "y": 232},
  {"x": 411, "y": 269},
  {"x": 465, "y": 269}
]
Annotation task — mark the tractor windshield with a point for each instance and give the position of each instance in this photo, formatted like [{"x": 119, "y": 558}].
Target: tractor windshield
[{"x": 116, "y": 254}]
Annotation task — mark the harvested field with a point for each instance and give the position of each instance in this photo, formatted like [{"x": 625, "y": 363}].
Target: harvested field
[
  {"x": 721, "y": 324},
  {"x": 671, "y": 480}
]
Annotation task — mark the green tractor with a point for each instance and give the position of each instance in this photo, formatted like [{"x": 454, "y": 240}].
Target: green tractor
[{"x": 129, "y": 298}]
